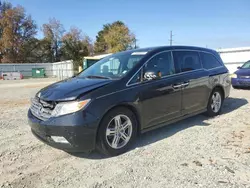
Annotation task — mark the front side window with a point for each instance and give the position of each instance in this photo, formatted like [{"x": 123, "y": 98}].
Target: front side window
[
  {"x": 162, "y": 64},
  {"x": 136, "y": 78},
  {"x": 209, "y": 61},
  {"x": 187, "y": 61},
  {"x": 114, "y": 66}
]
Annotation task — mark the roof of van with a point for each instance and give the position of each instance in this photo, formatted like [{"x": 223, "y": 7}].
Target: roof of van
[
  {"x": 148, "y": 49},
  {"x": 169, "y": 48}
]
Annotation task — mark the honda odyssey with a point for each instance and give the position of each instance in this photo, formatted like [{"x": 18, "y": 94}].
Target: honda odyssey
[{"x": 107, "y": 105}]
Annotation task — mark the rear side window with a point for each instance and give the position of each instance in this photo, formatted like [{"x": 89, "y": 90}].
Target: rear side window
[
  {"x": 186, "y": 61},
  {"x": 209, "y": 61}
]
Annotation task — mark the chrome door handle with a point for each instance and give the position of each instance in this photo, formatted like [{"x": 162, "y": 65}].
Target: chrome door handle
[
  {"x": 185, "y": 84},
  {"x": 177, "y": 86}
]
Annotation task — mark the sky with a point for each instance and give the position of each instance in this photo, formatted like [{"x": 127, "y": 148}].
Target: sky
[{"x": 206, "y": 23}]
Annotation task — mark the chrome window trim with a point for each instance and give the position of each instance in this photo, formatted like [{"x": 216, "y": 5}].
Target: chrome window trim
[
  {"x": 146, "y": 83},
  {"x": 176, "y": 74},
  {"x": 172, "y": 50},
  {"x": 222, "y": 65},
  {"x": 203, "y": 52}
]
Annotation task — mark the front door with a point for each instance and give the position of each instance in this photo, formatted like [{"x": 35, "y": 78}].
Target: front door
[{"x": 160, "y": 98}]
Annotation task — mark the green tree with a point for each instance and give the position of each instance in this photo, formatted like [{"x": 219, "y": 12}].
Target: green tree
[
  {"x": 36, "y": 51},
  {"x": 28, "y": 50},
  {"x": 44, "y": 51},
  {"x": 100, "y": 45},
  {"x": 118, "y": 39},
  {"x": 75, "y": 46},
  {"x": 16, "y": 29},
  {"x": 3, "y": 7},
  {"x": 114, "y": 37},
  {"x": 53, "y": 32}
]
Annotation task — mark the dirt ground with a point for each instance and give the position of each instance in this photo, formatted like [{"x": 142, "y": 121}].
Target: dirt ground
[{"x": 196, "y": 152}]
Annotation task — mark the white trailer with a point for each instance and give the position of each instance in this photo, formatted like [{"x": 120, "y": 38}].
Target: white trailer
[
  {"x": 12, "y": 76},
  {"x": 234, "y": 57}
]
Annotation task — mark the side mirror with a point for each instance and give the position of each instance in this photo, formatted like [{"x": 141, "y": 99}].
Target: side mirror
[
  {"x": 151, "y": 75},
  {"x": 239, "y": 67}
]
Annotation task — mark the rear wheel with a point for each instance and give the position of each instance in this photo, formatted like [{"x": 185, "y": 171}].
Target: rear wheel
[
  {"x": 117, "y": 132},
  {"x": 215, "y": 103}
]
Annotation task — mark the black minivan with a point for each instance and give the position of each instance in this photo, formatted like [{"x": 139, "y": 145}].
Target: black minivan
[{"x": 107, "y": 105}]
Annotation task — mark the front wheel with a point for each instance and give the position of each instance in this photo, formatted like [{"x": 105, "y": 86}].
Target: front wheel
[
  {"x": 215, "y": 103},
  {"x": 117, "y": 131}
]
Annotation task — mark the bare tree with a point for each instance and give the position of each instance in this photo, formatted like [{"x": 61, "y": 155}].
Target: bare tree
[{"x": 53, "y": 32}]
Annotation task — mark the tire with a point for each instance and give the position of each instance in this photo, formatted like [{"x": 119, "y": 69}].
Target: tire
[
  {"x": 108, "y": 131},
  {"x": 212, "y": 109}
]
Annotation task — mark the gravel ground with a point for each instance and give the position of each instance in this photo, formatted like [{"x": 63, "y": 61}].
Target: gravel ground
[
  {"x": 27, "y": 83},
  {"x": 196, "y": 152}
]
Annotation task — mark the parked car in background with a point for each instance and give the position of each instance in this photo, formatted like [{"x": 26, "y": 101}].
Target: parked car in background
[
  {"x": 127, "y": 93},
  {"x": 241, "y": 78}
]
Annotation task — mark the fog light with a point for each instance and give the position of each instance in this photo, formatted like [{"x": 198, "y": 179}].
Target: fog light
[
  {"x": 233, "y": 75},
  {"x": 60, "y": 139}
]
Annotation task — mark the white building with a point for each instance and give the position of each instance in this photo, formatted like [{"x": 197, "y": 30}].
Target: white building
[{"x": 234, "y": 57}]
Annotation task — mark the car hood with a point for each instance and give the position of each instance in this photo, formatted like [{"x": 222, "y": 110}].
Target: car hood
[
  {"x": 70, "y": 89},
  {"x": 243, "y": 72}
]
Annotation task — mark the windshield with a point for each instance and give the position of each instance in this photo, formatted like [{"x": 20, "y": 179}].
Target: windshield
[
  {"x": 246, "y": 65},
  {"x": 114, "y": 66}
]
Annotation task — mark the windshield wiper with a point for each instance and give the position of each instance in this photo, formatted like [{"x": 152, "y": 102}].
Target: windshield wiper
[{"x": 96, "y": 76}]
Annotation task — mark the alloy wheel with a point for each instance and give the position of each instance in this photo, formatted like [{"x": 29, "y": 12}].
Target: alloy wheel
[
  {"x": 119, "y": 131},
  {"x": 216, "y": 102}
]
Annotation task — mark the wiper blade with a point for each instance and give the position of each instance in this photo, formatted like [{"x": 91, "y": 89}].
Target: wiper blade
[{"x": 96, "y": 76}]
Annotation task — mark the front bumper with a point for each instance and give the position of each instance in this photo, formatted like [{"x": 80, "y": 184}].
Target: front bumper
[
  {"x": 240, "y": 82},
  {"x": 81, "y": 137}
]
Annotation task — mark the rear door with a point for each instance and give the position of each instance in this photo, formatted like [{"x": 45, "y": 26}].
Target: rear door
[
  {"x": 195, "y": 86},
  {"x": 218, "y": 74}
]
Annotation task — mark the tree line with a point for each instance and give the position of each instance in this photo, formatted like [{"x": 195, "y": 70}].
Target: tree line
[{"x": 19, "y": 44}]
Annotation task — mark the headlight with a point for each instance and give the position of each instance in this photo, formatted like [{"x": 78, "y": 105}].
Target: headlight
[
  {"x": 69, "y": 107},
  {"x": 234, "y": 76}
]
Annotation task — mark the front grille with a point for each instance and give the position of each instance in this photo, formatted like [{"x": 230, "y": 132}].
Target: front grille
[
  {"x": 245, "y": 77},
  {"x": 41, "y": 109},
  {"x": 244, "y": 83}
]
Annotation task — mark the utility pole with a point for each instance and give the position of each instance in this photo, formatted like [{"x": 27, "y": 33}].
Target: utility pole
[{"x": 171, "y": 38}]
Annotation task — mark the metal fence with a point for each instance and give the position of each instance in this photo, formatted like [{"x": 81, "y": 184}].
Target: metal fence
[{"x": 60, "y": 70}]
